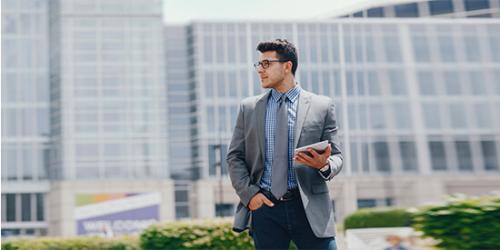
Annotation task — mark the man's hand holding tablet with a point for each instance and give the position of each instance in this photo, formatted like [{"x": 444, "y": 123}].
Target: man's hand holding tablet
[{"x": 314, "y": 155}]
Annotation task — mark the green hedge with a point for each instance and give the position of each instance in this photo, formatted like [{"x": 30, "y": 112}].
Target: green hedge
[
  {"x": 462, "y": 223},
  {"x": 82, "y": 243},
  {"x": 378, "y": 217},
  {"x": 207, "y": 234}
]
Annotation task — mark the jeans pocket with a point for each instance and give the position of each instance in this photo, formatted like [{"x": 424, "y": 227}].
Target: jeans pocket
[{"x": 259, "y": 208}]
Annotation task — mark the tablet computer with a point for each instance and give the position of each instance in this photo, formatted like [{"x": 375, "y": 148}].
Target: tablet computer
[{"x": 319, "y": 147}]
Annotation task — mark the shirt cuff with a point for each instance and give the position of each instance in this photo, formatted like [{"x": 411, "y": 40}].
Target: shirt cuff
[{"x": 325, "y": 171}]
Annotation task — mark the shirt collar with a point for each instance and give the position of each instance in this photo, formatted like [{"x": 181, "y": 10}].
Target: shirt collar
[{"x": 291, "y": 94}]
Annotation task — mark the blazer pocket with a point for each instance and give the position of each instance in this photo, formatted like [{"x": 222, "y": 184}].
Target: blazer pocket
[{"x": 319, "y": 188}]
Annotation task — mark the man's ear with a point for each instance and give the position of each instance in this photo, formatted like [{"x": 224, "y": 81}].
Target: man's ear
[{"x": 288, "y": 66}]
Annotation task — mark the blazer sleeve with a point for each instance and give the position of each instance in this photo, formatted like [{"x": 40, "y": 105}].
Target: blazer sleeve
[
  {"x": 237, "y": 167},
  {"x": 330, "y": 133}
]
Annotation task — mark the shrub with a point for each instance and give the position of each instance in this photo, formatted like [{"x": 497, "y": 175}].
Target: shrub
[
  {"x": 462, "y": 223},
  {"x": 378, "y": 217},
  {"x": 207, "y": 234},
  {"x": 82, "y": 243}
]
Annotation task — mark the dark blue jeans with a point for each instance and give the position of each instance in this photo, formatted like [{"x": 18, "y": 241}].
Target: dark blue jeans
[{"x": 274, "y": 227}]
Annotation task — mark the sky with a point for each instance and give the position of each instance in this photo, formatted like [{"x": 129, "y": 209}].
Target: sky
[{"x": 184, "y": 11}]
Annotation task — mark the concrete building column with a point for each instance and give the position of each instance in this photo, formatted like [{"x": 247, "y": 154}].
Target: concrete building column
[{"x": 203, "y": 199}]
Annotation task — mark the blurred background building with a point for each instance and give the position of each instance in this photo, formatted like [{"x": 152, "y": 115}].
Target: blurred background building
[
  {"x": 104, "y": 106},
  {"x": 84, "y": 106},
  {"x": 420, "y": 8}
]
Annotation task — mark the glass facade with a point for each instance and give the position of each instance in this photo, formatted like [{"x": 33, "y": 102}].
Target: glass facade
[
  {"x": 109, "y": 91},
  {"x": 83, "y": 97},
  {"x": 25, "y": 91},
  {"x": 181, "y": 109},
  {"x": 431, "y": 8},
  {"x": 25, "y": 115},
  {"x": 413, "y": 107}
]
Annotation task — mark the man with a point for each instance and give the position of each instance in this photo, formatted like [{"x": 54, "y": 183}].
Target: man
[{"x": 284, "y": 196}]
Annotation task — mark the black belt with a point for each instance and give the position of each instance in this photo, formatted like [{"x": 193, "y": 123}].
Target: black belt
[{"x": 288, "y": 196}]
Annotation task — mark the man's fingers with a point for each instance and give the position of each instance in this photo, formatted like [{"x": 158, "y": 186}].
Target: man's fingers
[
  {"x": 314, "y": 153},
  {"x": 306, "y": 157},
  {"x": 267, "y": 201},
  {"x": 328, "y": 150},
  {"x": 301, "y": 157}
]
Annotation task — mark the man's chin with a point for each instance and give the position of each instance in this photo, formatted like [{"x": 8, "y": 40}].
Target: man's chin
[{"x": 265, "y": 85}]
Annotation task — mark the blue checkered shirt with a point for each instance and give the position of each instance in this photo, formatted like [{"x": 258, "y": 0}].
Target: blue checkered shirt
[{"x": 270, "y": 125}]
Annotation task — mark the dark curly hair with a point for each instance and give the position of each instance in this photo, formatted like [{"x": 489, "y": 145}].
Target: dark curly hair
[{"x": 285, "y": 50}]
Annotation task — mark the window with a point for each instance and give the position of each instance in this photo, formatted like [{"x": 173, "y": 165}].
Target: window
[
  {"x": 483, "y": 115},
  {"x": 211, "y": 119},
  {"x": 87, "y": 150},
  {"x": 208, "y": 49},
  {"x": 216, "y": 158},
  {"x": 377, "y": 116},
  {"x": 402, "y": 115},
  {"x": 209, "y": 84},
  {"x": 477, "y": 83},
  {"x": 472, "y": 52},
  {"x": 421, "y": 50},
  {"x": 373, "y": 84},
  {"x": 464, "y": 155},
  {"x": 224, "y": 209},
  {"x": 232, "y": 84},
  {"x": 392, "y": 49},
  {"x": 488, "y": 149},
  {"x": 446, "y": 48},
  {"x": 408, "y": 153},
  {"x": 376, "y": 12},
  {"x": 181, "y": 211},
  {"x": 26, "y": 207},
  {"x": 10, "y": 199},
  {"x": 438, "y": 155},
  {"x": 220, "y": 82},
  {"x": 457, "y": 115},
  {"x": 358, "y": 14},
  {"x": 381, "y": 154},
  {"x": 397, "y": 82},
  {"x": 366, "y": 203},
  {"x": 431, "y": 111},
  {"x": 476, "y": 4},
  {"x": 426, "y": 83},
  {"x": 452, "y": 84},
  {"x": 40, "y": 216},
  {"x": 438, "y": 7},
  {"x": 406, "y": 10}
]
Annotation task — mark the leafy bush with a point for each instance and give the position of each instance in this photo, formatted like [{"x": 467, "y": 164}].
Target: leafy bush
[
  {"x": 208, "y": 234},
  {"x": 82, "y": 243},
  {"x": 461, "y": 223},
  {"x": 378, "y": 217}
]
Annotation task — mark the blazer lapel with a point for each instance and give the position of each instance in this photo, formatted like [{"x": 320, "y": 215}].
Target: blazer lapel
[
  {"x": 302, "y": 109},
  {"x": 260, "y": 115}
]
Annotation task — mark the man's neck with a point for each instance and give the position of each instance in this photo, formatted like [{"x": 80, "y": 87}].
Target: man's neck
[{"x": 287, "y": 84}]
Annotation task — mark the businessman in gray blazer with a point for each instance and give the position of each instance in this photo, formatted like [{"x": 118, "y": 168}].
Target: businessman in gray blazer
[{"x": 284, "y": 196}]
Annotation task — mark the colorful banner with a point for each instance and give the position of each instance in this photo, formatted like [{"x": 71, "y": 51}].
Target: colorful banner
[{"x": 112, "y": 214}]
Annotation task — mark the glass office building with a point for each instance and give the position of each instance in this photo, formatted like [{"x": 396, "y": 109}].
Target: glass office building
[
  {"x": 416, "y": 98},
  {"x": 100, "y": 92},
  {"x": 420, "y": 94},
  {"x": 109, "y": 113},
  {"x": 424, "y": 8},
  {"x": 25, "y": 116},
  {"x": 83, "y": 98}
]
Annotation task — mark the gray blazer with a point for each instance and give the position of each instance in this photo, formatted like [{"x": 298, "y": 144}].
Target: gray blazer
[{"x": 315, "y": 122}]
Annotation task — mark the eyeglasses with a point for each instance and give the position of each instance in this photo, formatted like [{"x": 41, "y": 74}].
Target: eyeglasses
[{"x": 265, "y": 63}]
